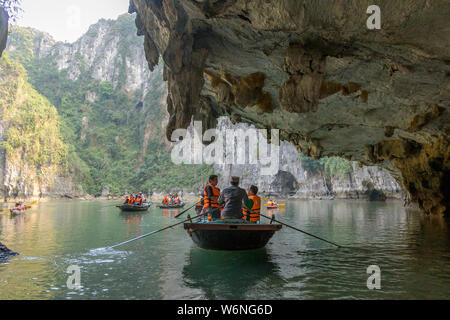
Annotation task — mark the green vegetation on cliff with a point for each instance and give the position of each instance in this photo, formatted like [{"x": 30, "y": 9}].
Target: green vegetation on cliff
[
  {"x": 332, "y": 167},
  {"x": 32, "y": 138},
  {"x": 115, "y": 137}
]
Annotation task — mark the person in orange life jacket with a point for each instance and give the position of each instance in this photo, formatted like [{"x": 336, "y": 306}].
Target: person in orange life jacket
[
  {"x": 127, "y": 200},
  {"x": 165, "y": 200},
  {"x": 211, "y": 195},
  {"x": 139, "y": 200},
  {"x": 253, "y": 204},
  {"x": 131, "y": 199},
  {"x": 199, "y": 205}
]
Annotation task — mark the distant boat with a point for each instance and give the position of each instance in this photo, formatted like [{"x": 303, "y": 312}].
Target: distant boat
[
  {"x": 171, "y": 206},
  {"x": 131, "y": 207},
  {"x": 231, "y": 235}
]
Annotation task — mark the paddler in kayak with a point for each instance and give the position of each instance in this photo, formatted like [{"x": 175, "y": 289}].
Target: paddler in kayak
[
  {"x": 19, "y": 208},
  {"x": 234, "y": 198}
]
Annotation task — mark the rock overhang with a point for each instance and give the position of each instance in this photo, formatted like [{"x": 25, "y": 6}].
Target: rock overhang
[{"x": 313, "y": 70}]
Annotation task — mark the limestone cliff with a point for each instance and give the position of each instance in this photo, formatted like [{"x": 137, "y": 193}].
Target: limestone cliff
[
  {"x": 295, "y": 179},
  {"x": 315, "y": 71},
  {"x": 32, "y": 153}
]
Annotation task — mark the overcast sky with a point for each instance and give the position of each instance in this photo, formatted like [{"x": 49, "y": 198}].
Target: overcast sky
[{"x": 67, "y": 20}]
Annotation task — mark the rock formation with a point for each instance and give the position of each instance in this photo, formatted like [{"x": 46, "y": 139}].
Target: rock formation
[
  {"x": 295, "y": 180},
  {"x": 315, "y": 71},
  {"x": 5, "y": 253}
]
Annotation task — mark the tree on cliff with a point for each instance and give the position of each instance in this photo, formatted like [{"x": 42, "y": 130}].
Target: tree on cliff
[{"x": 12, "y": 7}]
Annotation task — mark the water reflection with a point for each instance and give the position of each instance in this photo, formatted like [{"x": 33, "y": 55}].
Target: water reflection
[
  {"x": 228, "y": 275},
  {"x": 412, "y": 250},
  {"x": 170, "y": 213}
]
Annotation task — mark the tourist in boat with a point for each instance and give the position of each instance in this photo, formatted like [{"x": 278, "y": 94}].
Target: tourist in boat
[
  {"x": 211, "y": 196},
  {"x": 131, "y": 199},
  {"x": 234, "y": 198},
  {"x": 127, "y": 200},
  {"x": 254, "y": 204},
  {"x": 165, "y": 200},
  {"x": 138, "y": 200},
  {"x": 199, "y": 206},
  {"x": 143, "y": 199}
]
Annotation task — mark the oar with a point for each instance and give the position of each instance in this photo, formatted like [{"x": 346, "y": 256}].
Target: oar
[
  {"x": 151, "y": 233},
  {"x": 294, "y": 228},
  {"x": 180, "y": 214}
]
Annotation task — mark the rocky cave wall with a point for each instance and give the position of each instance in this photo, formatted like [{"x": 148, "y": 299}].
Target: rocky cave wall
[{"x": 313, "y": 70}]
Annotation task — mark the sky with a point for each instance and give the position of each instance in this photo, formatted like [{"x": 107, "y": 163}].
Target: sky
[{"x": 67, "y": 20}]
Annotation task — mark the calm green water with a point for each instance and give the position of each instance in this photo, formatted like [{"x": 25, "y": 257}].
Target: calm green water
[{"x": 412, "y": 251}]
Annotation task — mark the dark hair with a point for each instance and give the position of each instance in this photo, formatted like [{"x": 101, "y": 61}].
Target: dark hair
[
  {"x": 212, "y": 177},
  {"x": 254, "y": 189}
]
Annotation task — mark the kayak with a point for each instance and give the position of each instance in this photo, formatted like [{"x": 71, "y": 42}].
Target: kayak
[
  {"x": 17, "y": 211},
  {"x": 131, "y": 207},
  {"x": 171, "y": 206},
  {"x": 231, "y": 234}
]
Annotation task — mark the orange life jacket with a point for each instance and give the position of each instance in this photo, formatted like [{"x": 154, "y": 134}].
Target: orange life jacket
[
  {"x": 209, "y": 202},
  {"x": 166, "y": 200},
  {"x": 256, "y": 210}
]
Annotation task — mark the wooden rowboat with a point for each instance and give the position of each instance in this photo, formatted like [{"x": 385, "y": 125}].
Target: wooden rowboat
[
  {"x": 171, "y": 206},
  {"x": 130, "y": 207},
  {"x": 231, "y": 235}
]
